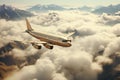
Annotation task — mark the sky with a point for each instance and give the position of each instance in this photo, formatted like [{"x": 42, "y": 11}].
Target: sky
[{"x": 65, "y": 3}]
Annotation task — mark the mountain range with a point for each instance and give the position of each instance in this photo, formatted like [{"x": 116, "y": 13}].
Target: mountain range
[
  {"x": 44, "y": 8},
  {"x": 12, "y": 13},
  {"x": 111, "y": 9},
  {"x": 83, "y": 8}
]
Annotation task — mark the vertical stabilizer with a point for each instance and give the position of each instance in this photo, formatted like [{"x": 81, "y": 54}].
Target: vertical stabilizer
[{"x": 28, "y": 25}]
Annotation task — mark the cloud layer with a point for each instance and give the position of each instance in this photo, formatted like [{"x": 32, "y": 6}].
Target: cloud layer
[{"x": 80, "y": 61}]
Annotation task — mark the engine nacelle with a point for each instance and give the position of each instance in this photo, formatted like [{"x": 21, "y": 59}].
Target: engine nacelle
[
  {"x": 49, "y": 46},
  {"x": 37, "y": 46}
]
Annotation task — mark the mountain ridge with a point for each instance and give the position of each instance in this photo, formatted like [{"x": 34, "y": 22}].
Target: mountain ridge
[
  {"x": 12, "y": 13},
  {"x": 44, "y": 8},
  {"x": 111, "y": 9}
]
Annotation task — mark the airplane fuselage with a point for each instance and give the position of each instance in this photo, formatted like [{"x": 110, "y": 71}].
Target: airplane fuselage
[{"x": 55, "y": 40}]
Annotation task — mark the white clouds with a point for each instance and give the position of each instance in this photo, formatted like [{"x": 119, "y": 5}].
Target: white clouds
[
  {"x": 58, "y": 76},
  {"x": 109, "y": 19},
  {"x": 42, "y": 70},
  {"x": 116, "y": 29},
  {"x": 81, "y": 60},
  {"x": 113, "y": 47},
  {"x": 75, "y": 65}
]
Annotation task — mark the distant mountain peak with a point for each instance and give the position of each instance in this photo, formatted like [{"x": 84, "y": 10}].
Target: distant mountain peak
[
  {"x": 111, "y": 9},
  {"x": 11, "y": 13},
  {"x": 7, "y": 7},
  {"x": 44, "y": 8}
]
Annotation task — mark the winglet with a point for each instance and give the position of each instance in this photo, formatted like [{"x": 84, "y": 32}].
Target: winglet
[{"x": 28, "y": 25}]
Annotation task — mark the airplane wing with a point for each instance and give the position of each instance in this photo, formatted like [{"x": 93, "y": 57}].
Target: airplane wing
[
  {"x": 25, "y": 44},
  {"x": 37, "y": 42},
  {"x": 70, "y": 34},
  {"x": 37, "y": 45}
]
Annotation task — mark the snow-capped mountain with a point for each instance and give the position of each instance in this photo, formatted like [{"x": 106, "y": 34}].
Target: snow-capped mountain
[
  {"x": 111, "y": 9},
  {"x": 12, "y": 13},
  {"x": 44, "y": 8}
]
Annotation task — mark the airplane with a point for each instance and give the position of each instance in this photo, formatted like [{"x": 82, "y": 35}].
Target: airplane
[{"x": 48, "y": 40}]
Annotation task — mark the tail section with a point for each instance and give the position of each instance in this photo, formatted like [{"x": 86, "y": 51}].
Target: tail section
[{"x": 28, "y": 25}]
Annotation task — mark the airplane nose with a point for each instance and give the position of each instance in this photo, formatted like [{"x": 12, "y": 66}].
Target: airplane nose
[{"x": 69, "y": 45}]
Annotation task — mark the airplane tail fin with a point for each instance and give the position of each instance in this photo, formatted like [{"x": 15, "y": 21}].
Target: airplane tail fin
[{"x": 29, "y": 28}]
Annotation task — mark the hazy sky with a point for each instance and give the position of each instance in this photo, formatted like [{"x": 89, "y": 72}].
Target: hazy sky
[{"x": 66, "y": 3}]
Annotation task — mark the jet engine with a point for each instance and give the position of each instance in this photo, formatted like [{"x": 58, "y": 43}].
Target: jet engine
[
  {"x": 49, "y": 46},
  {"x": 35, "y": 45}
]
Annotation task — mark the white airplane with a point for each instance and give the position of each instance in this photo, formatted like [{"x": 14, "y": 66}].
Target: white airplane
[{"x": 48, "y": 40}]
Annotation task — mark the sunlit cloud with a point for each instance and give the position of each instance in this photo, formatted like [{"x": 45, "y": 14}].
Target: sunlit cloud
[{"x": 80, "y": 61}]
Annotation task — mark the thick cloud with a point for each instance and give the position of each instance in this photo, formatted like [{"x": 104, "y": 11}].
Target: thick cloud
[
  {"x": 113, "y": 47},
  {"x": 110, "y": 19},
  {"x": 43, "y": 69},
  {"x": 80, "y": 61}
]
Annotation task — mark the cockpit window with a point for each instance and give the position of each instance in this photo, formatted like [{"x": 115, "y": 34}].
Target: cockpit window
[{"x": 64, "y": 40}]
